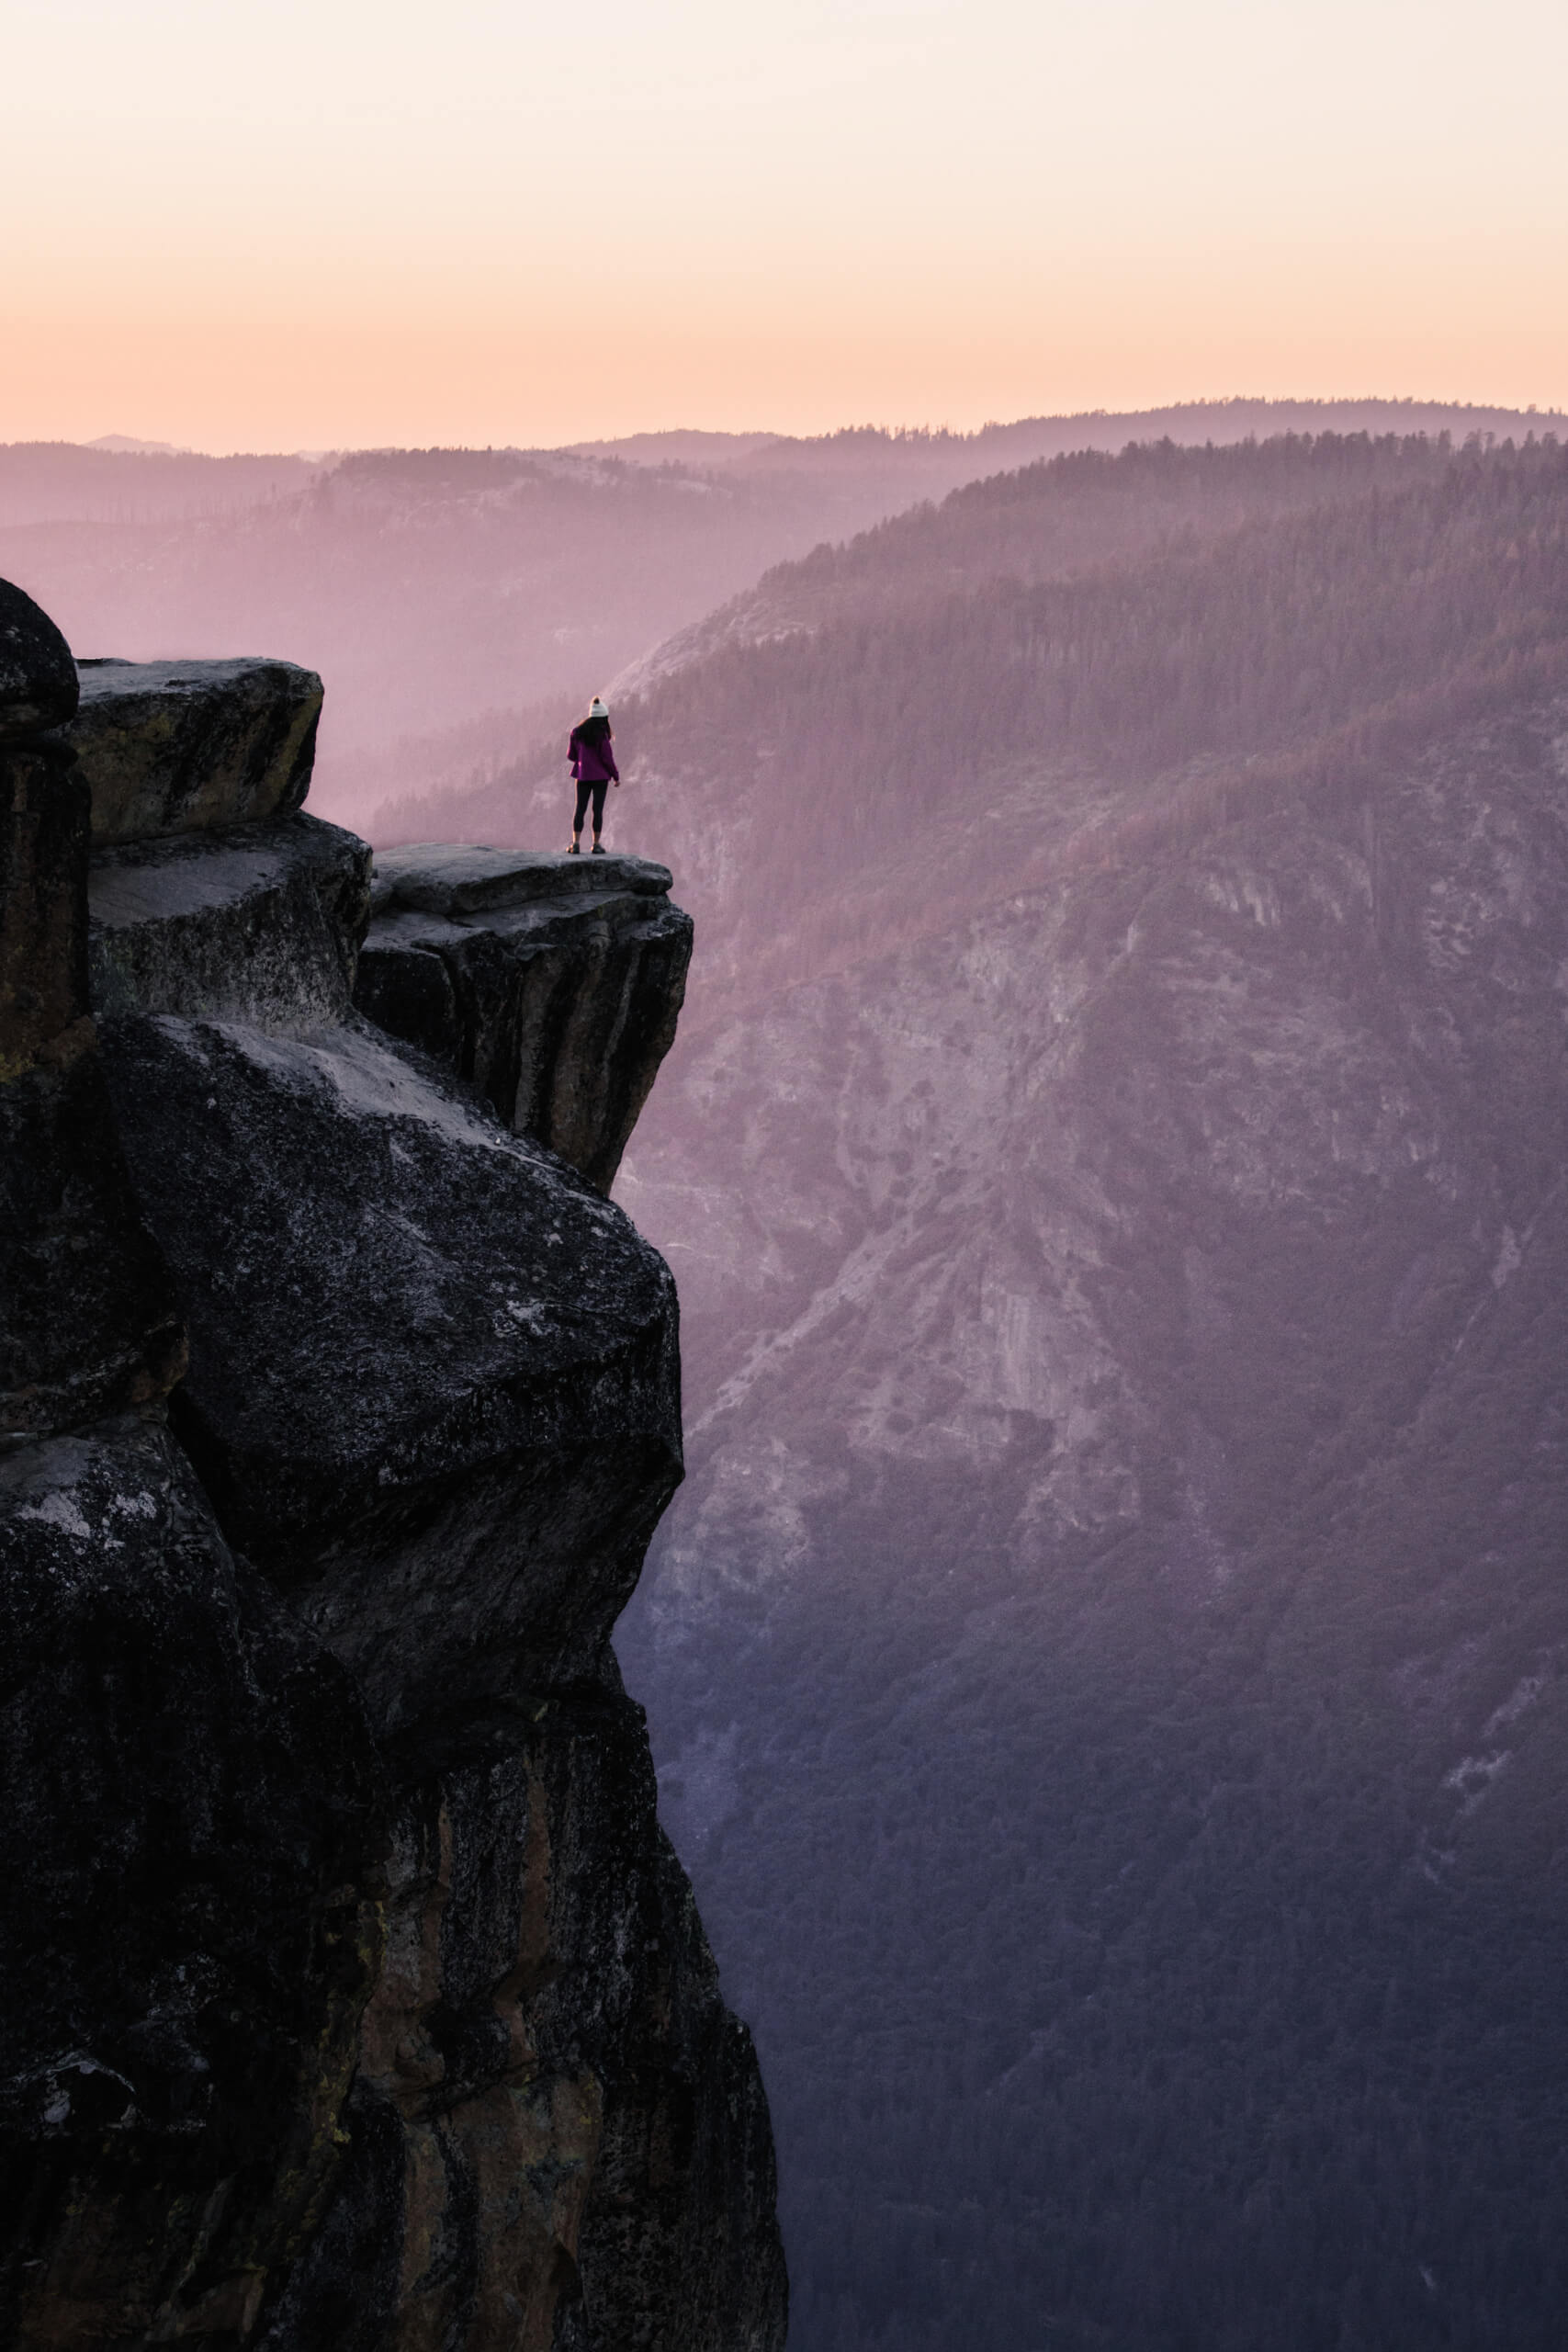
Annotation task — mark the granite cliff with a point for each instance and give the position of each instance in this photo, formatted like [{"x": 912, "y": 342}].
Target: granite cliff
[{"x": 357, "y": 1999}]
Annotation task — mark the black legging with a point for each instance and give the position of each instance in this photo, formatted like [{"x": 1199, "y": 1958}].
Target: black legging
[{"x": 598, "y": 789}]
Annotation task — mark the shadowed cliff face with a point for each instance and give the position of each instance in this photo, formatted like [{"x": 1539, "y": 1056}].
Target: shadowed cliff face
[
  {"x": 358, "y": 1998},
  {"x": 191, "y": 1929},
  {"x": 89, "y": 1324}
]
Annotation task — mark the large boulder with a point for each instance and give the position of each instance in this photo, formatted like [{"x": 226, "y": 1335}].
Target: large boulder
[
  {"x": 38, "y": 678},
  {"x": 462, "y": 878},
  {"x": 434, "y": 1384},
  {"x": 180, "y": 747},
  {"x": 552, "y": 983}
]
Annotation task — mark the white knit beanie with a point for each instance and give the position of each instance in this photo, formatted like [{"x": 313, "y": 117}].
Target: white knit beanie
[{"x": 598, "y": 708}]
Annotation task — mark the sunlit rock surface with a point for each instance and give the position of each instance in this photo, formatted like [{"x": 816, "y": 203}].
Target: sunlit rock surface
[{"x": 178, "y": 747}]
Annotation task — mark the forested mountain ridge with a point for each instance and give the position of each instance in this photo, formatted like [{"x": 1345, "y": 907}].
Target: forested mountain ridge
[
  {"x": 1191, "y": 423},
  {"x": 1079, "y": 510},
  {"x": 1169, "y": 636},
  {"x": 1107, "y": 1662},
  {"x": 463, "y": 600}
]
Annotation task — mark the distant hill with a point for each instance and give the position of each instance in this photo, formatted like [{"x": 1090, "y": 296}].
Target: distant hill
[
  {"x": 1089, "y": 641},
  {"x": 1052, "y": 520},
  {"x": 114, "y": 482},
  {"x": 126, "y": 445},
  {"x": 1109, "y": 1660},
  {"x": 1187, "y": 421}
]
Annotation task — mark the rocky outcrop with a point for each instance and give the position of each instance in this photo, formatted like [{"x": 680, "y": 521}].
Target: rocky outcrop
[
  {"x": 358, "y": 1999},
  {"x": 258, "y": 926},
  {"x": 38, "y": 678},
  {"x": 551, "y": 983},
  {"x": 179, "y": 747},
  {"x": 427, "y": 1387}
]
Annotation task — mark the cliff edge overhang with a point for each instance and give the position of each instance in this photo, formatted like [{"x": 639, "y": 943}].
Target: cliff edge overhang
[{"x": 360, "y": 1996}]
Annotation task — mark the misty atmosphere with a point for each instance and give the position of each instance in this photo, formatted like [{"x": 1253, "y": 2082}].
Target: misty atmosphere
[
  {"x": 783, "y": 1177},
  {"x": 461, "y": 600},
  {"x": 1105, "y": 1661},
  {"x": 1107, "y": 1664}
]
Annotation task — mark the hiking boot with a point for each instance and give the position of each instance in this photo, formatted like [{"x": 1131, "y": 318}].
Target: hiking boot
[
  {"x": 573, "y": 850},
  {"x": 598, "y": 849}
]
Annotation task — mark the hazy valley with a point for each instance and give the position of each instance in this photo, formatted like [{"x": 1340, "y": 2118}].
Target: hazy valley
[
  {"x": 1105, "y": 1660},
  {"x": 1106, "y": 1664},
  {"x": 462, "y": 601}
]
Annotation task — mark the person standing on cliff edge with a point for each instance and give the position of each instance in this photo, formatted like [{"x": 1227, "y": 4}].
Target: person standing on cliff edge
[{"x": 592, "y": 755}]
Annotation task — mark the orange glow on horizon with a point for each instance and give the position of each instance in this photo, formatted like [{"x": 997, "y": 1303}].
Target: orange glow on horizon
[
  {"x": 225, "y": 386},
  {"x": 315, "y": 227}
]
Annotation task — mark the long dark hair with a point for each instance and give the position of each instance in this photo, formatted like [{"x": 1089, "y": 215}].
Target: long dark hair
[{"x": 593, "y": 731}]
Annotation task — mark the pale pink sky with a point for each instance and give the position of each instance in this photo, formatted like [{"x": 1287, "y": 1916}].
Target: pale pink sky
[{"x": 315, "y": 223}]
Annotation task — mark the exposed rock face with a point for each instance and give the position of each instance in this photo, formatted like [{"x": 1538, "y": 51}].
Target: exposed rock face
[
  {"x": 360, "y": 2001},
  {"x": 1127, "y": 1403},
  {"x": 190, "y": 1926},
  {"x": 425, "y": 1389},
  {"x": 259, "y": 926},
  {"x": 552, "y": 984},
  {"x": 550, "y": 2088},
  {"x": 176, "y": 747}
]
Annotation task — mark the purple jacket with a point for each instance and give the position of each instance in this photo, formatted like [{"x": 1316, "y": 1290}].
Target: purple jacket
[{"x": 592, "y": 752}]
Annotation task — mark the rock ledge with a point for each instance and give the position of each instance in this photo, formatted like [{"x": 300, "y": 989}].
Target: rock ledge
[
  {"x": 180, "y": 747},
  {"x": 553, "y": 984}
]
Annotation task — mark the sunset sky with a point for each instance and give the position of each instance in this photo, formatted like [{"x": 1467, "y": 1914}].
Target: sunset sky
[{"x": 323, "y": 222}]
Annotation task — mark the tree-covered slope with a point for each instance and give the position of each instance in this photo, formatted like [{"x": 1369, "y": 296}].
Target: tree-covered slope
[
  {"x": 459, "y": 600},
  {"x": 1153, "y": 638},
  {"x": 1108, "y": 1650},
  {"x": 1106, "y": 1656}
]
